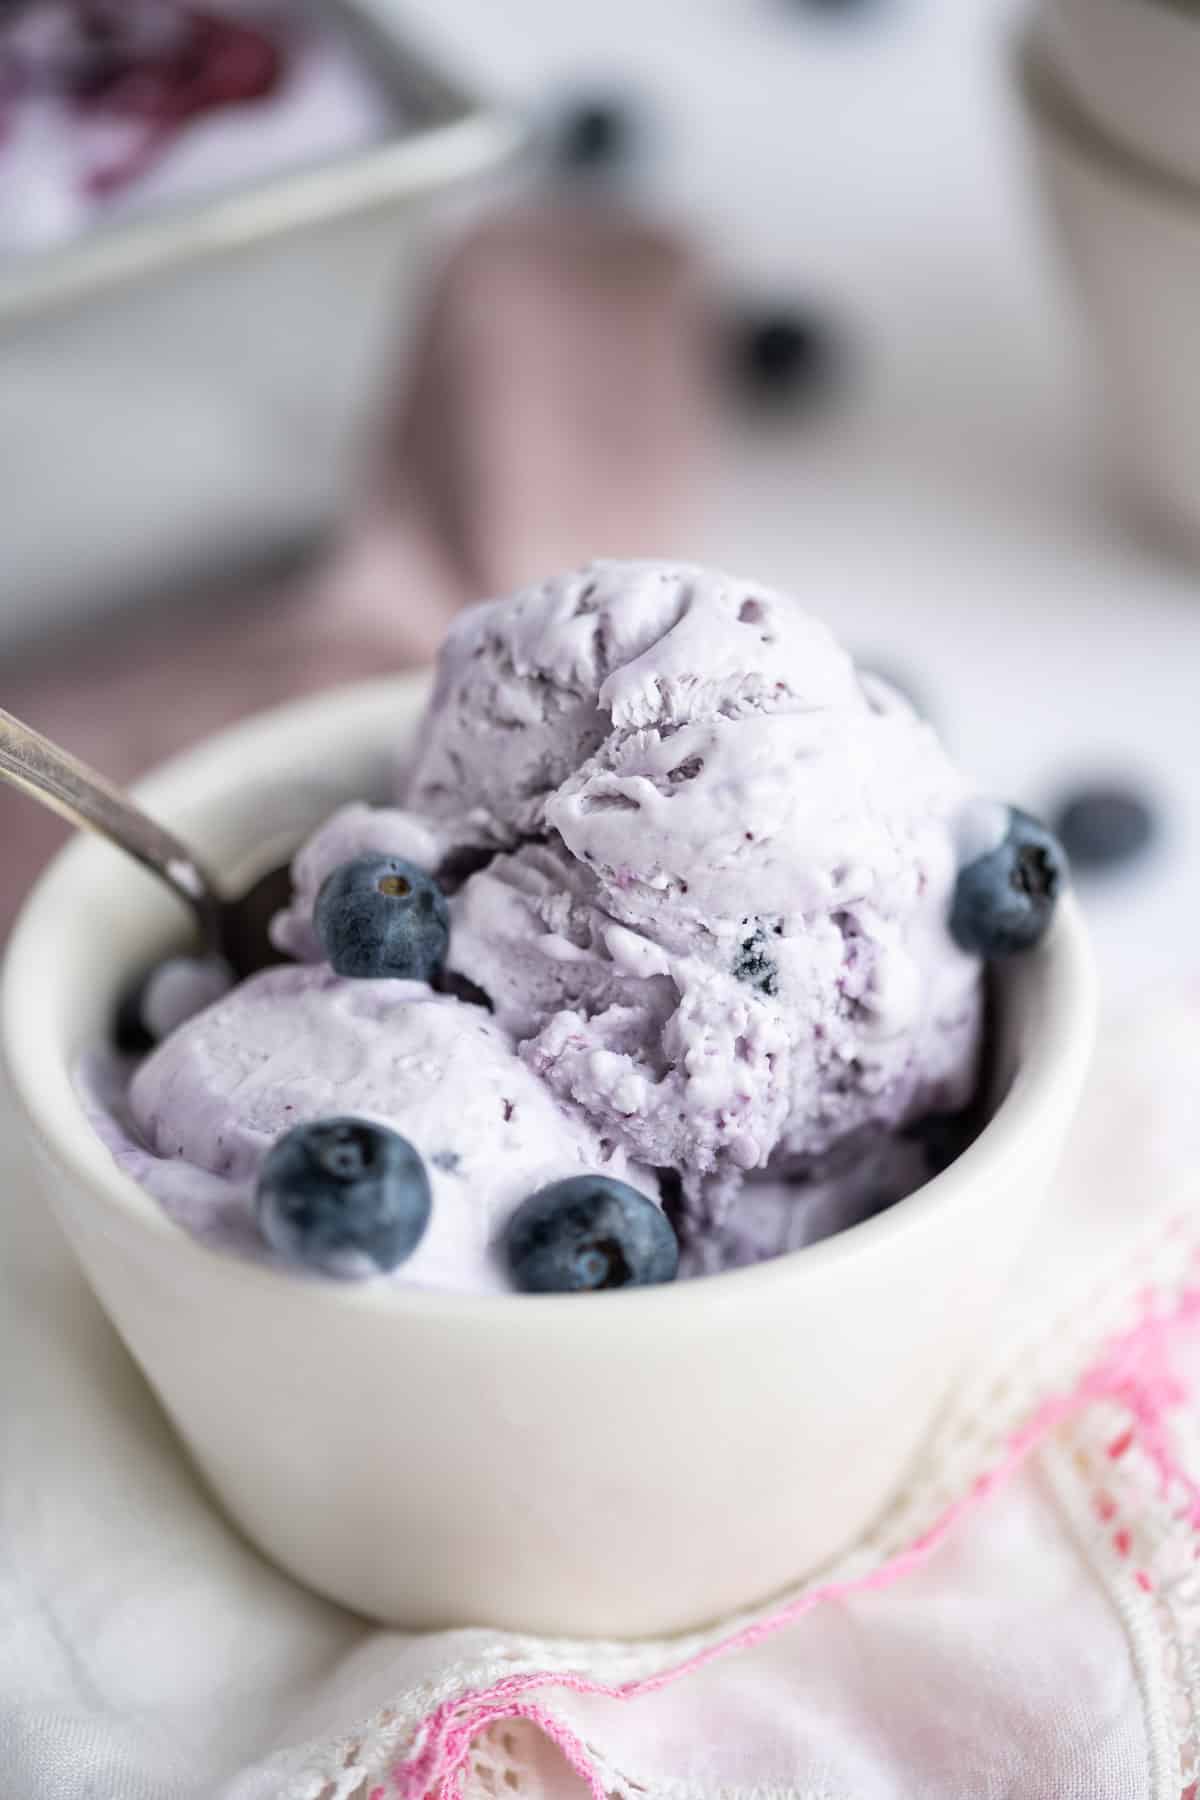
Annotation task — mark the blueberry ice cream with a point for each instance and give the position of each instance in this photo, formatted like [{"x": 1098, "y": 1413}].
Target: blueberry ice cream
[{"x": 678, "y": 920}]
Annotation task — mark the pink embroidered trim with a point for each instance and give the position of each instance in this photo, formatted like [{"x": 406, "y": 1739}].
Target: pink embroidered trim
[{"x": 1133, "y": 1372}]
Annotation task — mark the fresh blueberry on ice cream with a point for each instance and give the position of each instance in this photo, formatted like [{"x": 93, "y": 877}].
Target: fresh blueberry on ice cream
[
  {"x": 300, "y": 1045},
  {"x": 1004, "y": 899},
  {"x": 343, "y": 1196},
  {"x": 586, "y": 1233},
  {"x": 381, "y": 915},
  {"x": 712, "y": 910}
]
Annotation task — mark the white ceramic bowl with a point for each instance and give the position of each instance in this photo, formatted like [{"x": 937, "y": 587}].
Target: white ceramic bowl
[
  {"x": 616, "y": 1464},
  {"x": 1131, "y": 235},
  {"x": 1134, "y": 67}
]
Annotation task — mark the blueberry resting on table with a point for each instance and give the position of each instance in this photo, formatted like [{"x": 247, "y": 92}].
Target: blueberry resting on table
[
  {"x": 381, "y": 916},
  {"x": 781, "y": 355},
  {"x": 831, "y": 8},
  {"x": 1101, "y": 827},
  {"x": 1004, "y": 901},
  {"x": 589, "y": 1232},
  {"x": 596, "y": 131},
  {"x": 343, "y": 1196}
]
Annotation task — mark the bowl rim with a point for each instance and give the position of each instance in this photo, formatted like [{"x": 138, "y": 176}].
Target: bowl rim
[
  {"x": 41, "y": 1070},
  {"x": 1056, "y": 111}
]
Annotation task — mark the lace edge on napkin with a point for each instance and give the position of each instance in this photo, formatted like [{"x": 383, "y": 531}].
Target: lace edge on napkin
[{"x": 1092, "y": 1393}]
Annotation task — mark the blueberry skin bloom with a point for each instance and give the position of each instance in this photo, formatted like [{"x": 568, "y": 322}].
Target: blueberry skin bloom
[
  {"x": 1004, "y": 901},
  {"x": 589, "y": 1232},
  {"x": 343, "y": 1196},
  {"x": 380, "y": 916}
]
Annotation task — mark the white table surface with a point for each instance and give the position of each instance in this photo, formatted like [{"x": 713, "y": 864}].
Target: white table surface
[{"x": 949, "y": 511}]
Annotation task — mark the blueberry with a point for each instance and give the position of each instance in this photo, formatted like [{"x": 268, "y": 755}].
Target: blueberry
[
  {"x": 595, "y": 132},
  {"x": 589, "y": 1232},
  {"x": 778, "y": 355},
  {"x": 1004, "y": 901},
  {"x": 381, "y": 916},
  {"x": 1103, "y": 826},
  {"x": 753, "y": 966},
  {"x": 343, "y": 1196},
  {"x": 832, "y": 8}
]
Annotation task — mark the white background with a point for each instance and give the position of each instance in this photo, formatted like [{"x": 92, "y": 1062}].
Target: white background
[{"x": 948, "y": 511}]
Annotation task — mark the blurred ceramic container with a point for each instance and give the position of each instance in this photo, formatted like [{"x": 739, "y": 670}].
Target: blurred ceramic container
[
  {"x": 594, "y": 1464},
  {"x": 1130, "y": 230},
  {"x": 1134, "y": 67},
  {"x": 183, "y": 395}
]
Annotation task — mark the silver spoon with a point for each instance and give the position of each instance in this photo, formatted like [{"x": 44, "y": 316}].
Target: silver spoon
[{"x": 233, "y": 928}]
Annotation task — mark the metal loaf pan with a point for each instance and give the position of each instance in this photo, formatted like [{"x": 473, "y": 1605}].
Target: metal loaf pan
[{"x": 182, "y": 397}]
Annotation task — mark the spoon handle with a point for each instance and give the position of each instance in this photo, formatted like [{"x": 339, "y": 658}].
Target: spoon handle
[{"x": 32, "y": 763}]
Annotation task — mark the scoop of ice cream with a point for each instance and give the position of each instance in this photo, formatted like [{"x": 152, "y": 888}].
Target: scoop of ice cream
[
  {"x": 298, "y": 1044},
  {"x": 717, "y": 921}
]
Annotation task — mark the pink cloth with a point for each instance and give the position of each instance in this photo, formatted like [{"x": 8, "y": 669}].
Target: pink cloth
[
  {"x": 1026, "y": 1620},
  {"x": 559, "y": 410}
]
